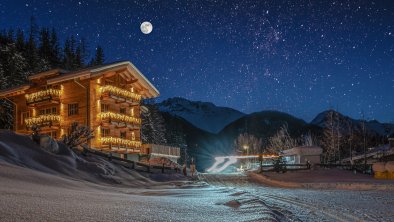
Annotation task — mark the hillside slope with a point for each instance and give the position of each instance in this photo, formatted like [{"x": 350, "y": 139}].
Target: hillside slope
[{"x": 203, "y": 115}]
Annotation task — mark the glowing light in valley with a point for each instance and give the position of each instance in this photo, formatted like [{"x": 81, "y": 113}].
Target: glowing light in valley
[{"x": 233, "y": 159}]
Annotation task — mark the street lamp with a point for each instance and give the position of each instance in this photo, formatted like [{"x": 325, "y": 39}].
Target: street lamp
[{"x": 246, "y": 147}]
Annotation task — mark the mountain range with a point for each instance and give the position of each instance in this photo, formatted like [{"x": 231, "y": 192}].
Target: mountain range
[{"x": 210, "y": 130}]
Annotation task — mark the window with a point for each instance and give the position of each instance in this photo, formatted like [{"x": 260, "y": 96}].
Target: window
[
  {"x": 104, "y": 107},
  {"x": 47, "y": 111},
  {"x": 104, "y": 132},
  {"x": 53, "y": 134},
  {"x": 132, "y": 136},
  {"x": 122, "y": 110},
  {"x": 73, "y": 109},
  {"x": 123, "y": 135},
  {"x": 24, "y": 116},
  {"x": 132, "y": 111}
]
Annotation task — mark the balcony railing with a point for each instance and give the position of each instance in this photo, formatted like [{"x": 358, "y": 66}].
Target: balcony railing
[
  {"x": 119, "y": 118},
  {"x": 120, "y": 141},
  {"x": 120, "y": 93},
  {"x": 43, "y": 120},
  {"x": 44, "y": 95}
]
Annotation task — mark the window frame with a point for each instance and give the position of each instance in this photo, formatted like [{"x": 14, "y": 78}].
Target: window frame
[{"x": 73, "y": 109}]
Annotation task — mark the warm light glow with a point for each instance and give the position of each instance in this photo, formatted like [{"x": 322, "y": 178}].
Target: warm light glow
[
  {"x": 120, "y": 92},
  {"x": 132, "y": 111},
  {"x": 120, "y": 141},
  {"x": 233, "y": 159},
  {"x": 119, "y": 117},
  {"x": 42, "y": 94},
  {"x": 39, "y": 120}
]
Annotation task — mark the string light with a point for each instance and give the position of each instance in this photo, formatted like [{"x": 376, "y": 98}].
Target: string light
[
  {"x": 120, "y": 92},
  {"x": 40, "y": 94},
  {"x": 39, "y": 120},
  {"x": 119, "y": 117},
  {"x": 120, "y": 141}
]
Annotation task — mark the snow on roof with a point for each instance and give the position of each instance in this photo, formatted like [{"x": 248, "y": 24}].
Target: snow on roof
[{"x": 303, "y": 150}]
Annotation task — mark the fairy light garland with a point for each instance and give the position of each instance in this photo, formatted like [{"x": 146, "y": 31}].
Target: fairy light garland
[
  {"x": 42, "y": 119},
  {"x": 119, "y": 117},
  {"x": 40, "y": 94},
  {"x": 120, "y": 92},
  {"x": 120, "y": 141}
]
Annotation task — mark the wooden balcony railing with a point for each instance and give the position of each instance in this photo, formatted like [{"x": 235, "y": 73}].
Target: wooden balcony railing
[
  {"x": 43, "y": 95},
  {"x": 120, "y": 141},
  {"x": 119, "y": 118},
  {"x": 43, "y": 120},
  {"x": 119, "y": 93}
]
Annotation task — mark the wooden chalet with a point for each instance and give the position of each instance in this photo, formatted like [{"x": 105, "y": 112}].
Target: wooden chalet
[{"x": 106, "y": 98}]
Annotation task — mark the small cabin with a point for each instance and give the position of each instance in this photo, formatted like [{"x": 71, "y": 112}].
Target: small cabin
[{"x": 302, "y": 154}]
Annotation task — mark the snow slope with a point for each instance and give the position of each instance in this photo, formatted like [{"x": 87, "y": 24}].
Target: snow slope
[{"x": 203, "y": 115}]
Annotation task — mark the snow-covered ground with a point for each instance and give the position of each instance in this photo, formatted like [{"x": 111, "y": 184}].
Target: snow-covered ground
[{"x": 39, "y": 186}]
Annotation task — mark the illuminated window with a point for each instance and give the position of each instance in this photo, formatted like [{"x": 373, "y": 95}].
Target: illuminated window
[
  {"x": 132, "y": 136},
  {"x": 104, "y": 132},
  {"x": 104, "y": 107},
  {"x": 132, "y": 111},
  {"x": 72, "y": 109}
]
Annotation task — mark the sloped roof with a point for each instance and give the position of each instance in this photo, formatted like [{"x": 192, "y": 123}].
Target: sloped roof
[{"x": 58, "y": 75}]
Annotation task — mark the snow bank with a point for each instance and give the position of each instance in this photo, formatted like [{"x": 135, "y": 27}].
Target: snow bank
[
  {"x": 322, "y": 180},
  {"x": 20, "y": 150}
]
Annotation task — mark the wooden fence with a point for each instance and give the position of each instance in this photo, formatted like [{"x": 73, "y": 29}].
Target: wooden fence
[{"x": 130, "y": 163}]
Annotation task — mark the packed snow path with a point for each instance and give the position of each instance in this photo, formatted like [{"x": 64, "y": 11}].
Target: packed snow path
[{"x": 306, "y": 205}]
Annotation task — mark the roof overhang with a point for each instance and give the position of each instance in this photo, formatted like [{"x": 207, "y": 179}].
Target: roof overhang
[
  {"x": 128, "y": 70},
  {"x": 14, "y": 91},
  {"x": 303, "y": 150},
  {"x": 46, "y": 74}
]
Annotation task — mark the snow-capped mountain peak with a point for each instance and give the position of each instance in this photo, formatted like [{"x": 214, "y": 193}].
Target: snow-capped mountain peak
[{"x": 204, "y": 115}]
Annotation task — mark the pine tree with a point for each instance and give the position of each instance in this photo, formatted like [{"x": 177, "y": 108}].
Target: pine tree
[
  {"x": 153, "y": 129},
  {"x": 20, "y": 41},
  {"x": 98, "y": 57},
  {"x": 44, "y": 49},
  {"x": 55, "y": 55},
  {"x": 31, "y": 54}
]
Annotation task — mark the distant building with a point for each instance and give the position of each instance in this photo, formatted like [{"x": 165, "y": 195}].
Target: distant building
[{"x": 300, "y": 155}]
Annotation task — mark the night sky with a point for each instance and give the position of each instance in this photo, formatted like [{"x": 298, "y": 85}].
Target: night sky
[{"x": 300, "y": 57}]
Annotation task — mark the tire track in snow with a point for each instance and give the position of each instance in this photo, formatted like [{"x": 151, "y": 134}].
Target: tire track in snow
[{"x": 281, "y": 212}]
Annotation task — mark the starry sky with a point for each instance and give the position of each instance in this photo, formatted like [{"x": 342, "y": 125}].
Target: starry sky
[{"x": 299, "y": 57}]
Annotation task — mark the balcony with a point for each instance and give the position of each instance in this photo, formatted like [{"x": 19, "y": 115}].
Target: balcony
[
  {"x": 43, "y": 120},
  {"x": 120, "y": 95},
  {"x": 119, "y": 119},
  {"x": 115, "y": 141},
  {"x": 48, "y": 95}
]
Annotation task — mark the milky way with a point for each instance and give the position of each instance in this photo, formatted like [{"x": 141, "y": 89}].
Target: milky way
[{"x": 300, "y": 57}]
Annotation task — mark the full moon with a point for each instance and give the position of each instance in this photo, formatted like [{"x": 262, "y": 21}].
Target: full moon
[{"x": 146, "y": 28}]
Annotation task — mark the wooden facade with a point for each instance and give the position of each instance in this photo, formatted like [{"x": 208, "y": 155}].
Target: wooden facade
[{"x": 106, "y": 98}]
